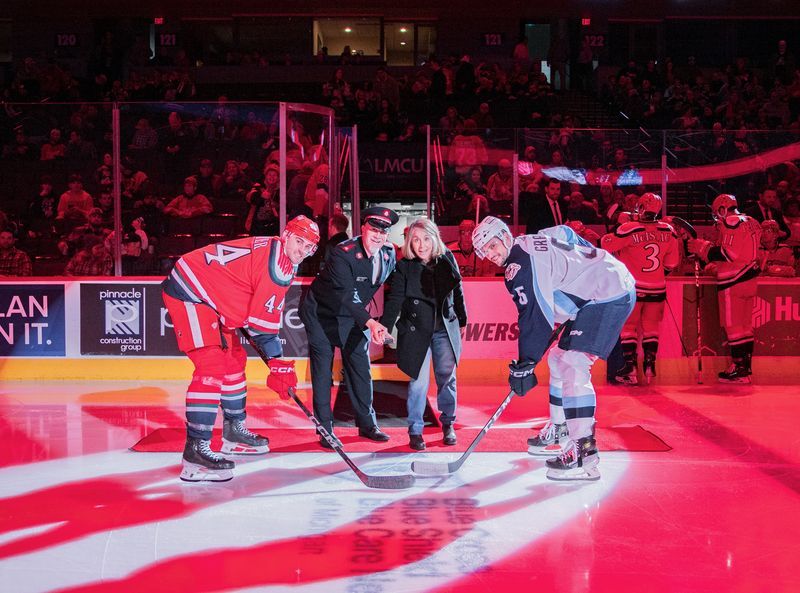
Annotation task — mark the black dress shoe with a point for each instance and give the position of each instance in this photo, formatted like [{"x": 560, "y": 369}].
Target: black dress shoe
[
  {"x": 449, "y": 434},
  {"x": 415, "y": 442},
  {"x": 374, "y": 434}
]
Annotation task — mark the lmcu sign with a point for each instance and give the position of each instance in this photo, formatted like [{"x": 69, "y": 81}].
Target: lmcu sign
[
  {"x": 32, "y": 320},
  {"x": 392, "y": 166}
]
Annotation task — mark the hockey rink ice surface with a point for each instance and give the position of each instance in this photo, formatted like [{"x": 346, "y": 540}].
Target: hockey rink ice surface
[{"x": 79, "y": 511}]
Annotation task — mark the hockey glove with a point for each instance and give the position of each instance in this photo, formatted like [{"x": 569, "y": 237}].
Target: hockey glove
[
  {"x": 281, "y": 376},
  {"x": 521, "y": 377}
]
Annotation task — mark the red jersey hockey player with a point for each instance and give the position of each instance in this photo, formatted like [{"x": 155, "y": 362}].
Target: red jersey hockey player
[
  {"x": 210, "y": 293},
  {"x": 735, "y": 255},
  {"x": 649, "y": 248}
]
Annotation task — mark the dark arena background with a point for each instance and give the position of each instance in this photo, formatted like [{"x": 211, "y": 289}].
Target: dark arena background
[{"x": 133, "y": 133}]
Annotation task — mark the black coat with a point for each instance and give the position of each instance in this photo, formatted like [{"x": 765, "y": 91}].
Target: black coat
[
  {"x": 754, "y": 211},
  {"x": 414, "y": 290},
  {"x": 343, "y": 289},
  {"x": 538, "y": 213}
]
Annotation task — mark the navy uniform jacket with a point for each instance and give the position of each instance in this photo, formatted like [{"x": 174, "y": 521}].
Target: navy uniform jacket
[{"x": 343, "y": 289}]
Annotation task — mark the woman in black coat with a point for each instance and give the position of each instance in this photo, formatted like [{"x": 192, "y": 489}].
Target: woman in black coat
[{"x": 425, "y": 291}]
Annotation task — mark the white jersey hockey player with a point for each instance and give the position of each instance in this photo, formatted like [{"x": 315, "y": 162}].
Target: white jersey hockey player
[{"x": 556, "y": 270}]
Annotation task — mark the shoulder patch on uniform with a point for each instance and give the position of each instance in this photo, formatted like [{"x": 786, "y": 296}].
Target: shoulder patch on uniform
[
  {"x": 511, "y": 271},
  {"x": 346, "y": 246}
]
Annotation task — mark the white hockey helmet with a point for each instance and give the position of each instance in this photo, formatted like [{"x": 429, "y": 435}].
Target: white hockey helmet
[
  {"x": 648, "y": 205},
  {"x": 303, "y": 227},
  {"x": 489, "y": 228},
  {"x": 722, "y": 204}
]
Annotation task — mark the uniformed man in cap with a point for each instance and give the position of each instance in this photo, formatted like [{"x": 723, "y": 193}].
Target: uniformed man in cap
[{"x": 335, "y": 315}]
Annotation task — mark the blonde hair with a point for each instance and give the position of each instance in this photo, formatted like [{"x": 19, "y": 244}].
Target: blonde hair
[{"x": 429, "y": 228}]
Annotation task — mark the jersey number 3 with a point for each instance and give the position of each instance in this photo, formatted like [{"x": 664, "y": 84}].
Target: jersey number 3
[
  {"x": 226, "y": 253},
  {"x": 652, "y": 257}
]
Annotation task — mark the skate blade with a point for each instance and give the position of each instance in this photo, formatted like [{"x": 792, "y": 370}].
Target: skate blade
[
  {"x": 627, "y": 380},
  {"x": 739, "y": 381},
  {"x": 231, "y": 448},
  {"x": 553, "y": 450},
  {"x": 589, "y": 474},
  {"x": 192, "y": 472}
]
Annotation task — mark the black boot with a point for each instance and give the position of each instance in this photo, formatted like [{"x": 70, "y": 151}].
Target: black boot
[{"x": 416, "y": 442}]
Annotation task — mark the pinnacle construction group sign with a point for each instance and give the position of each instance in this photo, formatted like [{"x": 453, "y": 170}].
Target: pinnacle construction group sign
[{"x": 127, "y": 318}]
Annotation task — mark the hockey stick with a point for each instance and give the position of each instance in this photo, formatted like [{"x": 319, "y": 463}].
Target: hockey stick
[
  {"x": 697, "y": 295},
  {"x": 698, "y": 354},
  {"x": 383, "y": 482},
  {"x": 436, "y": 468},
  {"x": 683, "y": 225}
]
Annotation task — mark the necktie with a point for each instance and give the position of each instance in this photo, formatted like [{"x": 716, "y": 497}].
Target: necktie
[
  {"x": 376, "y": 267},
  {"x": 556, "y": 212}
]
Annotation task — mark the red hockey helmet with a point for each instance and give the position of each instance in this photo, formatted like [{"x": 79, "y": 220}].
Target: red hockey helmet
[
  {"x": 648, "y": 205},
  {"x": 722, "y": 204},
  {"x": 303, "y": 227}
]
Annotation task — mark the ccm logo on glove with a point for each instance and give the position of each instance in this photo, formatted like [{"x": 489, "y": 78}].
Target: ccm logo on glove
[
  {"x": 281, "y": 376},
  {"x": 521, "y": 378}
]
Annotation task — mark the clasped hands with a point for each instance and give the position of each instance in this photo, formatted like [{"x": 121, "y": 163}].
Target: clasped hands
[{"x": 379, "y": 334}]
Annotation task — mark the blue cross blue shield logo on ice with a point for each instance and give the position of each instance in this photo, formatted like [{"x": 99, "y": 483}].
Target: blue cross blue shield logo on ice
[{"x": 122, "y": 317}]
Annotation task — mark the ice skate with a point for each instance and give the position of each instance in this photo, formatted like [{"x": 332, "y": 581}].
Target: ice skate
[
  {"x": 735, "y": 374},
  {"x": 627, "y": 375},
  {"x": 578, "y": 462},
  {"x": 237, "y": 440},
  {"x": 201, "y": 464},
  {"x": 550, "y": 441}
]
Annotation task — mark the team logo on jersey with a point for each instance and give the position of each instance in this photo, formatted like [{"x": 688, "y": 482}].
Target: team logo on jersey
[{"x": 511, "y": 271}]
